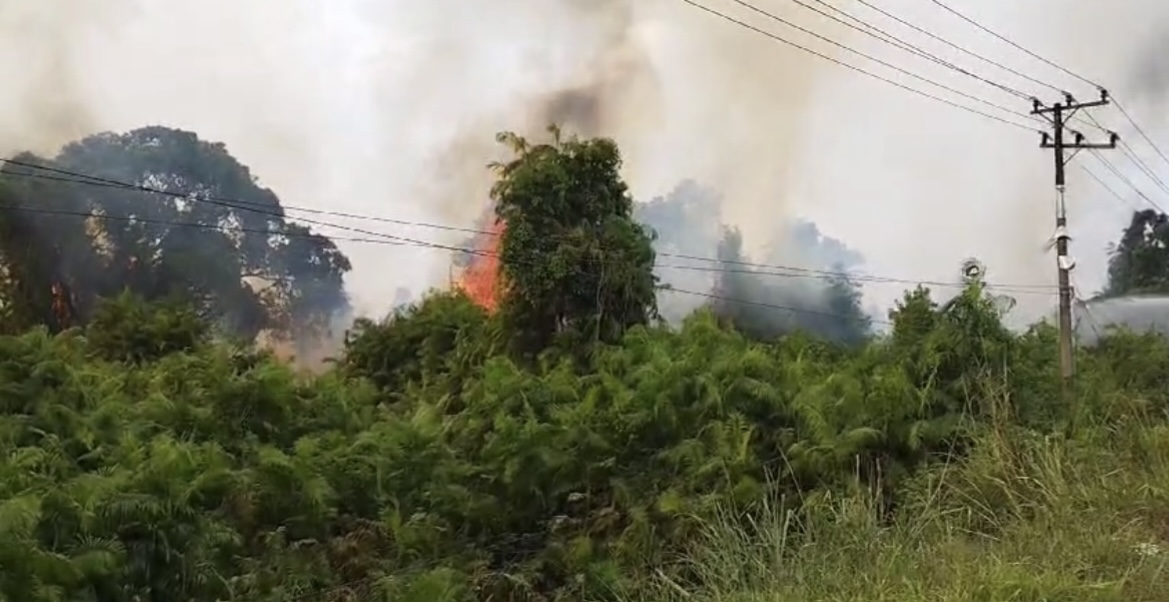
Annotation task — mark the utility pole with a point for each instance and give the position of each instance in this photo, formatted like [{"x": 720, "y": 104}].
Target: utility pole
[{"x": 1058, "y": 116}]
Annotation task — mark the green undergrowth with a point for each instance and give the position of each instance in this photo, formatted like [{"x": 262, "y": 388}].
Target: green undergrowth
[{"x": 1024, "y": 518}]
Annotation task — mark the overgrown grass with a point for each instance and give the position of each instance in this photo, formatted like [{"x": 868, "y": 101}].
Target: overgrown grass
[{"x": 1025, "y": 518}]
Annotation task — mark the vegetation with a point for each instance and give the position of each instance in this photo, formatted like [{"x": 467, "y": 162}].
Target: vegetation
[
  {"x": 1140, "y": 259},
  {"x": 166, "y": 216},
  {"x": 548, "y": 448}
]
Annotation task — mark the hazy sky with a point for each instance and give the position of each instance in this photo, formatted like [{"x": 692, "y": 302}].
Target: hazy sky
[{"x": 387, "y": 108}]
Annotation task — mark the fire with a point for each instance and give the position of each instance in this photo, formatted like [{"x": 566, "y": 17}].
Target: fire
[{"x": 480, "y": 278}]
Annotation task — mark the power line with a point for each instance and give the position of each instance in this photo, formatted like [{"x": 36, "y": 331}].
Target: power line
[
  {"x": 101, "y": 182},
  {"x": 850, "y": 49},
  {"x": 1141, "y": 131},
  {"x": 377, "y": 241},
  {"x": 230, "y": 203},
  {"x": 1136, "y": 126},
  {"x": 1017, "y": 46},
  {"x": 789, "y": 271},
  {"x": 219, "y": 228},
  {"x": 897, "y": 42},
  {"x": 1128, "y": 151},
  {"x": 782, "y": 40},
  {"x": 1108, "y": 188},
  {"x": 406, "y": 242},
  {"x": 389, "y": 240},
  {"x": 1115, "y": 171},
  {"x": 88, "y": 179},
  {"x": 132, "y": 219},
  {"x": 969, "y": 52},
  {"x": 957, "y": 47}
]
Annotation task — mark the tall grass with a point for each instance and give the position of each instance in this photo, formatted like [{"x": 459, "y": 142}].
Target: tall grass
[{"x": 1025, "y": 518}]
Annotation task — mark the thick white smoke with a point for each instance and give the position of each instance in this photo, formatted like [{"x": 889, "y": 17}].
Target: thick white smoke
[
  {"x": 918, "y": 185},
  {"x": 388, "y": 108}
]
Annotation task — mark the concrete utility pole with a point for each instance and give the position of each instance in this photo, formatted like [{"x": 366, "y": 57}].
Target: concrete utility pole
[{"x": 1058, "y": 115}]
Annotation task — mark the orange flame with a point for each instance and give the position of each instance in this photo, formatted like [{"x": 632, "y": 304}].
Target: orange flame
[{"x": 480, "y": 279}]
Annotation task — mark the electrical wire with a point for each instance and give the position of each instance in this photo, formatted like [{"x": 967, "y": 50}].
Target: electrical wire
[
  {"x": 897, "y": 42},
  {"x": 1135, "y": 158},
  {"x": 88, "y": 179},
  {"x": 957, "y": 47},
  {"x": 791, "y": 271},
  {"x": 1141, "y": 131},
  {"x": 969, "y": 52},
  {"x": 1012, "y": 43},
  {"x": 103, "y": 182},
  {"x": 847, "y": 48},
  {"x": 1120, "y": 175},
  {"x": 664, "y": 288},
  {"x": 1109, "y": 189},
  {"x": 211, "y": 200},
  {"x": 778, "y": 38},
  {"x": 1126, "y": 148}
]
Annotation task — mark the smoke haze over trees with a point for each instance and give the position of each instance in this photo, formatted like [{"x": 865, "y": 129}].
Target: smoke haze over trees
[
  {"x": 802, "y": 270},
  {"x": 204, "y": 233},
  {"x": 323, "y": 91}
]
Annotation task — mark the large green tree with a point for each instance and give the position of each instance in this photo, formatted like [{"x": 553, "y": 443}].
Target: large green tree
[
  {"x": 1140, "y": 259},
  {"x": 170, "y": 216},
  {"x": 575, "y": 265}
]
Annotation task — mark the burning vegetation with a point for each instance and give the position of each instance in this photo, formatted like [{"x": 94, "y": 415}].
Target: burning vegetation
[{"x": 480, "y": 277}]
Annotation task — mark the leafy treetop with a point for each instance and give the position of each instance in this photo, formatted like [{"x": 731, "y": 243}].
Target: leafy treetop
[{"x": 575, "y": 264}]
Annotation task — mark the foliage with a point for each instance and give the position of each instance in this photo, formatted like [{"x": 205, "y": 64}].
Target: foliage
[
  {"x": 127, "y": 329},
  {"x": 176, "y": 216},
  {"x": 1140, "y": 259},
  {"x": 576, "y": 266},
  {"x": 197, "y": 472},
  {"x": 141, "y": 460}
]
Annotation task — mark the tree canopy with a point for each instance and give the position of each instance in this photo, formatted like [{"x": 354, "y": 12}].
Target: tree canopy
[
  {"x": 163, "y": 215},
  {"x": 575, "y": 265},
  {"x": 1140, "y": 259}
]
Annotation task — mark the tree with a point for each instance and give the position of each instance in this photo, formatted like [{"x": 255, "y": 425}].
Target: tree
[
  {"x": 575, "y": 266},
  {"x": 170, "y": 216},
  {"x": 1140, "y": 259}
]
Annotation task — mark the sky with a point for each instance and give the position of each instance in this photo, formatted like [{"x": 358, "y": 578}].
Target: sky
[{"x": 388, "y": 108}]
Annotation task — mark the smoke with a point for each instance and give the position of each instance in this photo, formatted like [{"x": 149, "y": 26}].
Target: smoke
[
  {"x": 390, "y": 108},
  {"x": 793, "y": 285},
  {"x": 43, "y": 105},
  {"x": 919, "y": 185},
  {"x": 1141, "y": 314}
]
